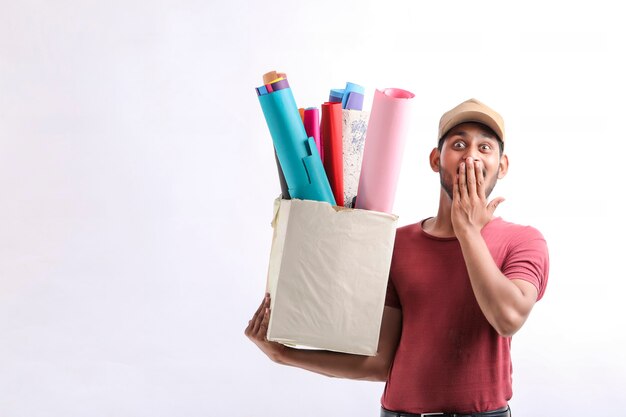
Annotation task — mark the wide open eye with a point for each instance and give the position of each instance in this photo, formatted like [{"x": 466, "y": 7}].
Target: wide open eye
[{"x": 459, "y": 144}]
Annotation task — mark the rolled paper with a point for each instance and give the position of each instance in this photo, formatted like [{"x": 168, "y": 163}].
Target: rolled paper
[
  {"x": 297, "y": 154},
  {"x": 261, "y": 90},
  {"x": 336, "y": 95},
  {"x": 355, "y": 101},
  {"x": 333, "y": 148},
  {"x": 284, "y": 189},
  {"x": 270, "y": 76},
  {"x": 354, "y": 127},
  {"x": 301, "y": 111},
  {"x": 382, "y": 154},
  {"x": 350, "y": 88},
  {"x": 279, "y": 84},
  {"x": 312, "y": 127},
  {"x": 317, "y": 175}
]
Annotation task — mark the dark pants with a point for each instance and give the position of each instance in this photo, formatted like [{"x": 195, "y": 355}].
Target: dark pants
[{"x": 502, "y": 412}]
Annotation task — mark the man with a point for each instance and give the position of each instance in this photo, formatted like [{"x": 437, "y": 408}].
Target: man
[{"x": 460, "y": 285}]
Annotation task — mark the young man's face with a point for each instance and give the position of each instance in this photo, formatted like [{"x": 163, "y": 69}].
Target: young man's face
[{"x": 469, "y": 140}]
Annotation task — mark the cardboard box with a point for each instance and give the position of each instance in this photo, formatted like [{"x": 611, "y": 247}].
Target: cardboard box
[{"x": 328, "y": 274}]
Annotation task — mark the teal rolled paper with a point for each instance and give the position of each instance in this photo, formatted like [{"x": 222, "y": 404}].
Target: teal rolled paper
[{"x": 297, "y": 154}]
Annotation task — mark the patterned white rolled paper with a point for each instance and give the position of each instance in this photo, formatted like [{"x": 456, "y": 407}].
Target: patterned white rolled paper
[{"x": 354, "y": 127}]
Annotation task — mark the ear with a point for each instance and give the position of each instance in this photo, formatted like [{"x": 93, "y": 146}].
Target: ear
[
  {"x": 504, "y": 166},
  {"x": 434, "y": 159}
]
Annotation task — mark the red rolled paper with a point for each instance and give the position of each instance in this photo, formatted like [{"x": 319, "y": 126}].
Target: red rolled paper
[{"x": 332, "y": 142}]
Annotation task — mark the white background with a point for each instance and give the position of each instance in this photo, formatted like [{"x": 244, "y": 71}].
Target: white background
[{"x": 137, "y": 179}]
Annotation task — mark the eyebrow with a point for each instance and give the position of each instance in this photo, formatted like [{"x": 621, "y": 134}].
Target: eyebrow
[{"x": 484, "y": 134}]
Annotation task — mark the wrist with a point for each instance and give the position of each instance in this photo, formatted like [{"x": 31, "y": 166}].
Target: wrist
[
  {"x": 467, "y": 233},
  {"x": 280, "y": 353}
]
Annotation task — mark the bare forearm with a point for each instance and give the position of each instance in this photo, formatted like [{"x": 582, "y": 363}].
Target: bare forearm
[
  {"x": 505, "y": 305},
  {"x": 343, "y": 365},
  {"x": 335, "y": 364}
]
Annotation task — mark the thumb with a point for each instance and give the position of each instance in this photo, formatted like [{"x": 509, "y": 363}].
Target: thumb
[{"x": 493, "y": 205}]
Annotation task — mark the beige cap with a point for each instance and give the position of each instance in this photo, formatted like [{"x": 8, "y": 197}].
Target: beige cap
[{"x": 472, "y": 110}]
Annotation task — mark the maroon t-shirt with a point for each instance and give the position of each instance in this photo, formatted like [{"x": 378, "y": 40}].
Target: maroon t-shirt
[{"x": 449, "y": 357}]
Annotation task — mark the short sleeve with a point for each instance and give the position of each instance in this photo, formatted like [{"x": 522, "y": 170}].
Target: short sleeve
[{"x": 528, "y": 260}]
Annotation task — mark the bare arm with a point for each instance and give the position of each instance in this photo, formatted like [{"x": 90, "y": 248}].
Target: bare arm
[
  {"x": 332, "y": 364},
  {"x": 505, "y": 303}
]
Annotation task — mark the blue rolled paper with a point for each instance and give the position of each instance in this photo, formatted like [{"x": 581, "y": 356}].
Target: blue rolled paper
[
  {"x": 351, "y": 88},
  {"x": 298, "y": 156},
  {"x": 336, "y": 95}
]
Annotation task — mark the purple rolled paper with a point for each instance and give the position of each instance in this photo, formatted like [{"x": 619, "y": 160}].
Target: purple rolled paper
[
  {"x": 280, "y": 84},
  {"x": 355, "y": 101}
]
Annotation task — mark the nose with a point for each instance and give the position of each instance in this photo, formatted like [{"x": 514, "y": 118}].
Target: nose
[
  {"x": 472, "y": 159},
  {"x": 473, "y": 155}
]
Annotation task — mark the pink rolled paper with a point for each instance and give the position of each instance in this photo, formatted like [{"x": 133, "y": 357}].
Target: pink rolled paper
[
  {"x": 312, "y": 127},
  {"x": 382, "y": 155}
]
